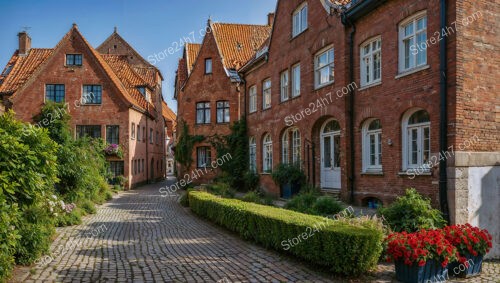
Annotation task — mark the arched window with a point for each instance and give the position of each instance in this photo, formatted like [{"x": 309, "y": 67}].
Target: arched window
[
  {"x": 291, "y": 149},
  {"x": 416, "y": 138},
  {"x": 296, "y": 146},
  {"x": 332, "y": 126},
  {"x": 372, "y": 146},
  {"x": 267, "y": 153},
  {"x": 253, "y": 154},
  {"x": 285, "y": 147}
]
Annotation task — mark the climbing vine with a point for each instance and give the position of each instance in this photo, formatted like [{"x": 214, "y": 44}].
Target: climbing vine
[{"x": 184, "y": 147}]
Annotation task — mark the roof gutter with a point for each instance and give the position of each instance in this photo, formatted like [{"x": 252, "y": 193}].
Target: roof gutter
[{"x": 359, "y": 9}]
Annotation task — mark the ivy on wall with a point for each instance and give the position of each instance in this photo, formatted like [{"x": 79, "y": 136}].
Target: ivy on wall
[{"x": 185, "y": 144}]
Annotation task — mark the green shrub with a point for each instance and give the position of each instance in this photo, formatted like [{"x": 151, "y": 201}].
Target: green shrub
[
  {"x": 69, "y": 219},
  {"x": 184, "y": 200},
  {"x": 340, "y": 247},
  {"x": 411, "y": 213},
  {"x": 87, "y": 207},
  {"x": 302, "y": 203},
  {"x": 34, "y": 242},
  {"x": 327, "y": 206},
  {"x": 288, "y": 173},
  {"x": 251, "y": 180},
  {"x": 221, "y": 189},
  {"x": 9, "y": 236},
  {"x": 251, "y": 196}
]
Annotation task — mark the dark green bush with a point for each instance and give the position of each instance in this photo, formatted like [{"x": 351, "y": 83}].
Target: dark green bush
[
  {"x": 327, "y": 206},
  {"x": 87, "y": 207},
  {"x": 288, "y": 173},
  {"x": 342, "y": 248},
  {"x": 221, "y": 189},
  {"x": 34, "y": 242},
  {"x": 184, "y": 200},
  {"x": 258, "y": 198},
  {"x": 411, "y": 213},
  {"x": 9, "y": 236},
  {"x": 69, "y": 219},
  {"x": 302, "y": 203},
  {"x": 251, "y": 180}
]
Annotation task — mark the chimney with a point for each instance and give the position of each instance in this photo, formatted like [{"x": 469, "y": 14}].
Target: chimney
[
  {"x": 24, "y": 43},
  {"x": 270, "y": 19}
]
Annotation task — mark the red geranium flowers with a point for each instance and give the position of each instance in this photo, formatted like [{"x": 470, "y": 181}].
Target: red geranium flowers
[
  {"x": 419, "y": 247},
  {"x": 468, "y": 240}
]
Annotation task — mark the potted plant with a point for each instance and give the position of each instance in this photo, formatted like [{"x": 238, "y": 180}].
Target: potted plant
[
  {"x": 113, "y": 150},
  {"x": 472, "y": 244},
  {"x": 420, "y": 256},
  {"x": 290, "y": 178}
]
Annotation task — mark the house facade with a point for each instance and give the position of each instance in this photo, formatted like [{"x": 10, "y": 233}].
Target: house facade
[
  {"x": 111, "y": 93},
  {"x": 209, "y": 90}
]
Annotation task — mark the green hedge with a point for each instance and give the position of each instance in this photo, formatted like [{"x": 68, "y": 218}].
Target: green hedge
[{"x": 340, "y": 247}]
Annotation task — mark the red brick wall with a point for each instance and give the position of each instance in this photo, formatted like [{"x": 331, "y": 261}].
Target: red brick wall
[{"x": 201, "y": 87}]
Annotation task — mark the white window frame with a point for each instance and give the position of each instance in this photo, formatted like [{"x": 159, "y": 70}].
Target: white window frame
[
  {"x": 285, "y": 147},
  {"x": 296, "y": 85},
  {"x": 252, "y": 155},
  {"x": 296, "y": 146},
  {"x": 285, "y": 85},
  {"x": 367, "y": 70},
  {"x": 414, "y": 46},
  {"x": 208, "y": 66},
  {"x": 266, "y": 94},
  {"x": 252, "y": 99},
  {"x": 407, "y": 146},
  {"x": 299, "y": 20},
  {"x": 330, "y": 65},
  {"x": 267, "y": 154},
  {"x": 203, "y": 157},
  {"x": 367, "y": 150}
]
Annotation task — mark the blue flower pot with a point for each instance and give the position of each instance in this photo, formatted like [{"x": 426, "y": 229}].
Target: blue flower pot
[
  {"x": 432, "y": 271},
  {"x": 472, "y": 267}
]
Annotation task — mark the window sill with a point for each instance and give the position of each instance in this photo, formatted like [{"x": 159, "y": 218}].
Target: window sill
[
  {"x": 298, "y": 34},
  {"x": 409, "y": 172},
  {"x": 318, "y": 87},
  {"x": 373, "y": 173},
  {"x": 252, "y": 112},
  {"x": 91, "y": 104},
  {"x": 265, "y": 173},
  {"x": 266, "y": 109},
  {"x": 370, "y": 85},
  {"x": 412, "y": 71}
]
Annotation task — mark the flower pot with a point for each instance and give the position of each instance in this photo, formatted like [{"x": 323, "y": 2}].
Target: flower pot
[
  {"x": 472, "y": 267},
  {"x": 432, "y": 271}
]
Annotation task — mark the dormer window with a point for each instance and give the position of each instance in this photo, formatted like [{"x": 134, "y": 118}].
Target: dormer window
[
  {"x": 144, "y": 91},
  {"x": 73, "y": 59},
  {"x": 299, "y": 23},
  {"x": 208, "y": 66}
]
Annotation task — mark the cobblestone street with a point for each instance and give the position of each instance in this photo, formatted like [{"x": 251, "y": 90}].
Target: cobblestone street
[{"x": 142, "y": 237}]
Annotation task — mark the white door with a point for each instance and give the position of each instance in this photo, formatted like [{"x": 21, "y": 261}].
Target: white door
[{"x": 330, "y": 155}]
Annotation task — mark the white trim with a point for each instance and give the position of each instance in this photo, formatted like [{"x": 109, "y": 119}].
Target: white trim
[
  {"x": 252, "y": 94},
  {"x": 365, "y": 147},
  {"x": 267, "y": 145},
  {"x": 284, "y": 90},
  {"x": 405, "y": 139},
  {"x": 331, "y": 64},
  {"x": 371, "y": 55},
  {"x": 293, "y": 80},
  {"x": 401, "y": 37},
  {"x": 264, "y": 106},
  {"x": 297, "y": 12}
]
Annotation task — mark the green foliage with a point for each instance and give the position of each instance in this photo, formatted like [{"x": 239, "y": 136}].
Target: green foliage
[
  {"x": 234, "y": 146},
  {"x": 312, "y": 203},
  {"x": 9, "y": 236},
  {"x": 302, "y": 203},
  {"x": 342, "y": 248},
  {"x": 87, "y": 206},
  {"x": 411, "y": 213},
  {"x": 251, "y": 180},
  {"x": 287, "y": 173},
  {"x": 327, "y": 206},
  {"x": 69, "y": 219},
  {"x": 35, "y": 242},
  {"x": 221, "y": 189},
  {"x": 185, "y": 144},
  {"x": 184, "y": 200},
  {"x": 55, "y": 118}
]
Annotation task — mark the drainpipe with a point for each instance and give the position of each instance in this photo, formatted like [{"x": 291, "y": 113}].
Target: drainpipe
[
  {"x": 348, "y": 22},
  {"x": 443, "y": 117}
]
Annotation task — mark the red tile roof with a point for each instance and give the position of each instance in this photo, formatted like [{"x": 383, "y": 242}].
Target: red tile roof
[
  {"x": 20, "y": 69},
  {"x": 237, "y": 43},
  {"x": 170, "y": 116},
  {"x": 192, "y": 50}
]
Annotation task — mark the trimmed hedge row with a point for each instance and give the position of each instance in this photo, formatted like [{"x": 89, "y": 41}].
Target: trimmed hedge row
[{"x": 342, "y": 248}]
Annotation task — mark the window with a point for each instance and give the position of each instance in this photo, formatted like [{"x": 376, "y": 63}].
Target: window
[
  {"x": 292, "y": 149},
  {"x": 208, "y": 66},
  {"x": 252, "y": 97},
  {"x": 144, "y": 134},
  {"x": 113, "y": 134},
  {"x": 412, "y": 46},
  {"x": 266, "y": 94},
  {"x": 203, "y": 113},
  {"x": 142, "y": 165},
  {"x": 54, "y": 93},
  {"x": 132, "y": 131},
  {"x": 92, "y": 94},
  {"x": 296, "y": 80},
  {"x": 253, "y": 154},
  {"x": 324, "y": 72},
  {"x": 222, "y": 111},
  {"x": 203, "y": 156},
  {"x": 116, "y": 168},
  {"x": 299, "y": 20},
  {"x": 157, "y": 138},
  {"x": 151, "y": 135},
  {"x": 73, "y": 59},
  {"x": 371, "y": 62},
  {"x": 142, "y": 90},
  {"x": 134, "y": 167},
  {"x": 92, "y": 131},
  {"x": 372, "y": 146},
  {"x": 267, "y": 153},
  {"x": 138, "y": 133},
  {"x": 416, "y": 139},
  {"x": 285, "y": 86}
]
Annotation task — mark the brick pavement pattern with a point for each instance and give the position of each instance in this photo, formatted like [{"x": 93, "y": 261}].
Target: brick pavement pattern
[{"x": 141, "y": 237}]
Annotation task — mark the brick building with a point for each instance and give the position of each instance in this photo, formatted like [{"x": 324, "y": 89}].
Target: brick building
[
  {"x": 209, "y": 89},
  {"x": 111, "y": 93},
  {"x": 374, "y": 97}
]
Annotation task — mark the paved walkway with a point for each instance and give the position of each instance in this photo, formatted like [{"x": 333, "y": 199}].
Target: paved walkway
[{"x": 141, "y": 237}]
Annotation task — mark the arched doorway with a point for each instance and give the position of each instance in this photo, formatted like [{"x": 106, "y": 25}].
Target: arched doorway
[{"x": 330, "y": 155}]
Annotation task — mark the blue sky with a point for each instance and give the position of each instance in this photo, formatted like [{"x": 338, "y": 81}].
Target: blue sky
[{"x": 149, "y": 26}]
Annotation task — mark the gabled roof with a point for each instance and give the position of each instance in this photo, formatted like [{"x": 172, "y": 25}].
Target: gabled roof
[
  {"x": 192, "y": 50},
  {"x": 237, "y": 43},
  {"x": 25, "y": 68},
  {"x": 20, "y": 68}
]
